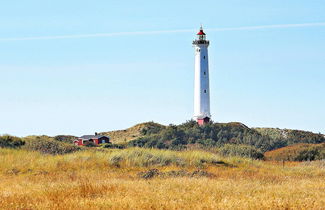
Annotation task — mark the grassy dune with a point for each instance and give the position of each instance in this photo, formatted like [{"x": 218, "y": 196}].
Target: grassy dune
[
  {"x": 104, "y": 179},
  {"x": 298, "y": 152},
  {"x": 124, "y": 136}
]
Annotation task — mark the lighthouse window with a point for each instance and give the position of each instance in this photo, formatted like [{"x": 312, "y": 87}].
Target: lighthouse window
[
  {"x": 204, "y": 73},
  {"x": 203, "y": 57},
  {"x": 205, "y": 91}
]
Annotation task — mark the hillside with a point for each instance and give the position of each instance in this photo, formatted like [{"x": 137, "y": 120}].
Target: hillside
[
  {"x": 189, "y": 134},
  {"x": 129, "y": 134},
  {"x": 298, "y": 152},
  {"x": 292, "y": 136},
  {"x": 143, "y": 129}
]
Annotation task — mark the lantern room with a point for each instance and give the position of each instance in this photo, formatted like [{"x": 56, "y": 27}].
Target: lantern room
[{"x": 201, "y": 34}]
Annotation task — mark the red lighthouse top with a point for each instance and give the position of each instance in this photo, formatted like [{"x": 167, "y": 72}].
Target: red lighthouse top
[
  {"x": 201, "y": 38},
  {"x": 201, "y": 32}
]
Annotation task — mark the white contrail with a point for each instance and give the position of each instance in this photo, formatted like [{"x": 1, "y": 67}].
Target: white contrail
[
  {"x": 94, "y": 35},
  {"x": 269, "y": 26},
  {"x": 161, "y": 32}
]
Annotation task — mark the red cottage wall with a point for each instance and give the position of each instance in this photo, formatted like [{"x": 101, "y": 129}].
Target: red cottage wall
[{"x": 78, "y": 142}]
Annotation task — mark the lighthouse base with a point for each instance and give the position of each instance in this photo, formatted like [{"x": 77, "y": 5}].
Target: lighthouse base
[{"x": 203, "y": 121}]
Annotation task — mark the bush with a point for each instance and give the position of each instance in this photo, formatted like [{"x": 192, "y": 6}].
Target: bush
[
  {"x": 47, "y": 145},
  {"x": 241, "y": 151},
  {"x": 313, "y": 153},
  {"x": 89, "y": 144},
  {"x": 65, "y": 138},
  {"x": 151, "y": 173},
  {"x": 10, "y": 141},
  {"x": 113, "y": 146}
]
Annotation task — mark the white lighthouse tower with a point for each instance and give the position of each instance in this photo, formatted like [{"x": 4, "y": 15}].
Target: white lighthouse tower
[{"x": 201, "y": 79}]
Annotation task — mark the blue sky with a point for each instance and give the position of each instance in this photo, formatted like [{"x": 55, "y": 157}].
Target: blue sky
[{"x": 267, "y": 77}]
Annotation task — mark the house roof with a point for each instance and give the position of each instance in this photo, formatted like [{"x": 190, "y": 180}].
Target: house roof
[{"x": 92, "y": 136}]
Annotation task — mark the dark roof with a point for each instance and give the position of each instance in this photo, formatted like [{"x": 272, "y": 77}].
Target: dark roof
[
  {"x": 201, "y": 32},
  {"x": 92, "y": 136}
]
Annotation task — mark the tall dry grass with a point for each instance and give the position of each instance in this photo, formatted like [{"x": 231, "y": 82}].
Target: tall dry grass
[{"x": 91, "y": 180}]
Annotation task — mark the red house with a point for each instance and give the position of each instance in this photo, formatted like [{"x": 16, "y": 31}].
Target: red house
[{"x": 95, "y": 139}]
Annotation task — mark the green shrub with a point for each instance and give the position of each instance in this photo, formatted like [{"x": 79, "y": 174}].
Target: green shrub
[
  {"x": 11, "y": 141},
  {"x": 65, "y": 138},
  {"x": 47, "y": 145},
  {"x": 241, "y": 151},
  {"x": 151, "y": 173},
  {"x": 115, "y": 146},
  {"x": 309, "y": 154},
  {"x": 89, "y": 144}
]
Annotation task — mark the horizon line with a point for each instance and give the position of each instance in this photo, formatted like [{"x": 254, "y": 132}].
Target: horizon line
[{"x": 242, "y": 28}]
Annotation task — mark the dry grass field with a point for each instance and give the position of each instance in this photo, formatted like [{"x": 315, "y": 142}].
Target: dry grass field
[{"x": 119, "y": 179}]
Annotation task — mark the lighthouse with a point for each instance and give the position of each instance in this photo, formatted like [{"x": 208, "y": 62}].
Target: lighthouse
[{"x": 201, "y": 79}]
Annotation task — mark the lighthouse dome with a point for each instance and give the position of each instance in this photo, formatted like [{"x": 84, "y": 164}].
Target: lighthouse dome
[{"x": 201, "y": 32}]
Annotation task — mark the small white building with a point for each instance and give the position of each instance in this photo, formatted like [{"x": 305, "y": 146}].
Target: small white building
[{"x": 201, "y": 79}]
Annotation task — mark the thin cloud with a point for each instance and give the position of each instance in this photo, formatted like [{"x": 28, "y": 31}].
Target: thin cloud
[
  {"x": 269, "y": 27},
  {"x": 244, "y": 28}
]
